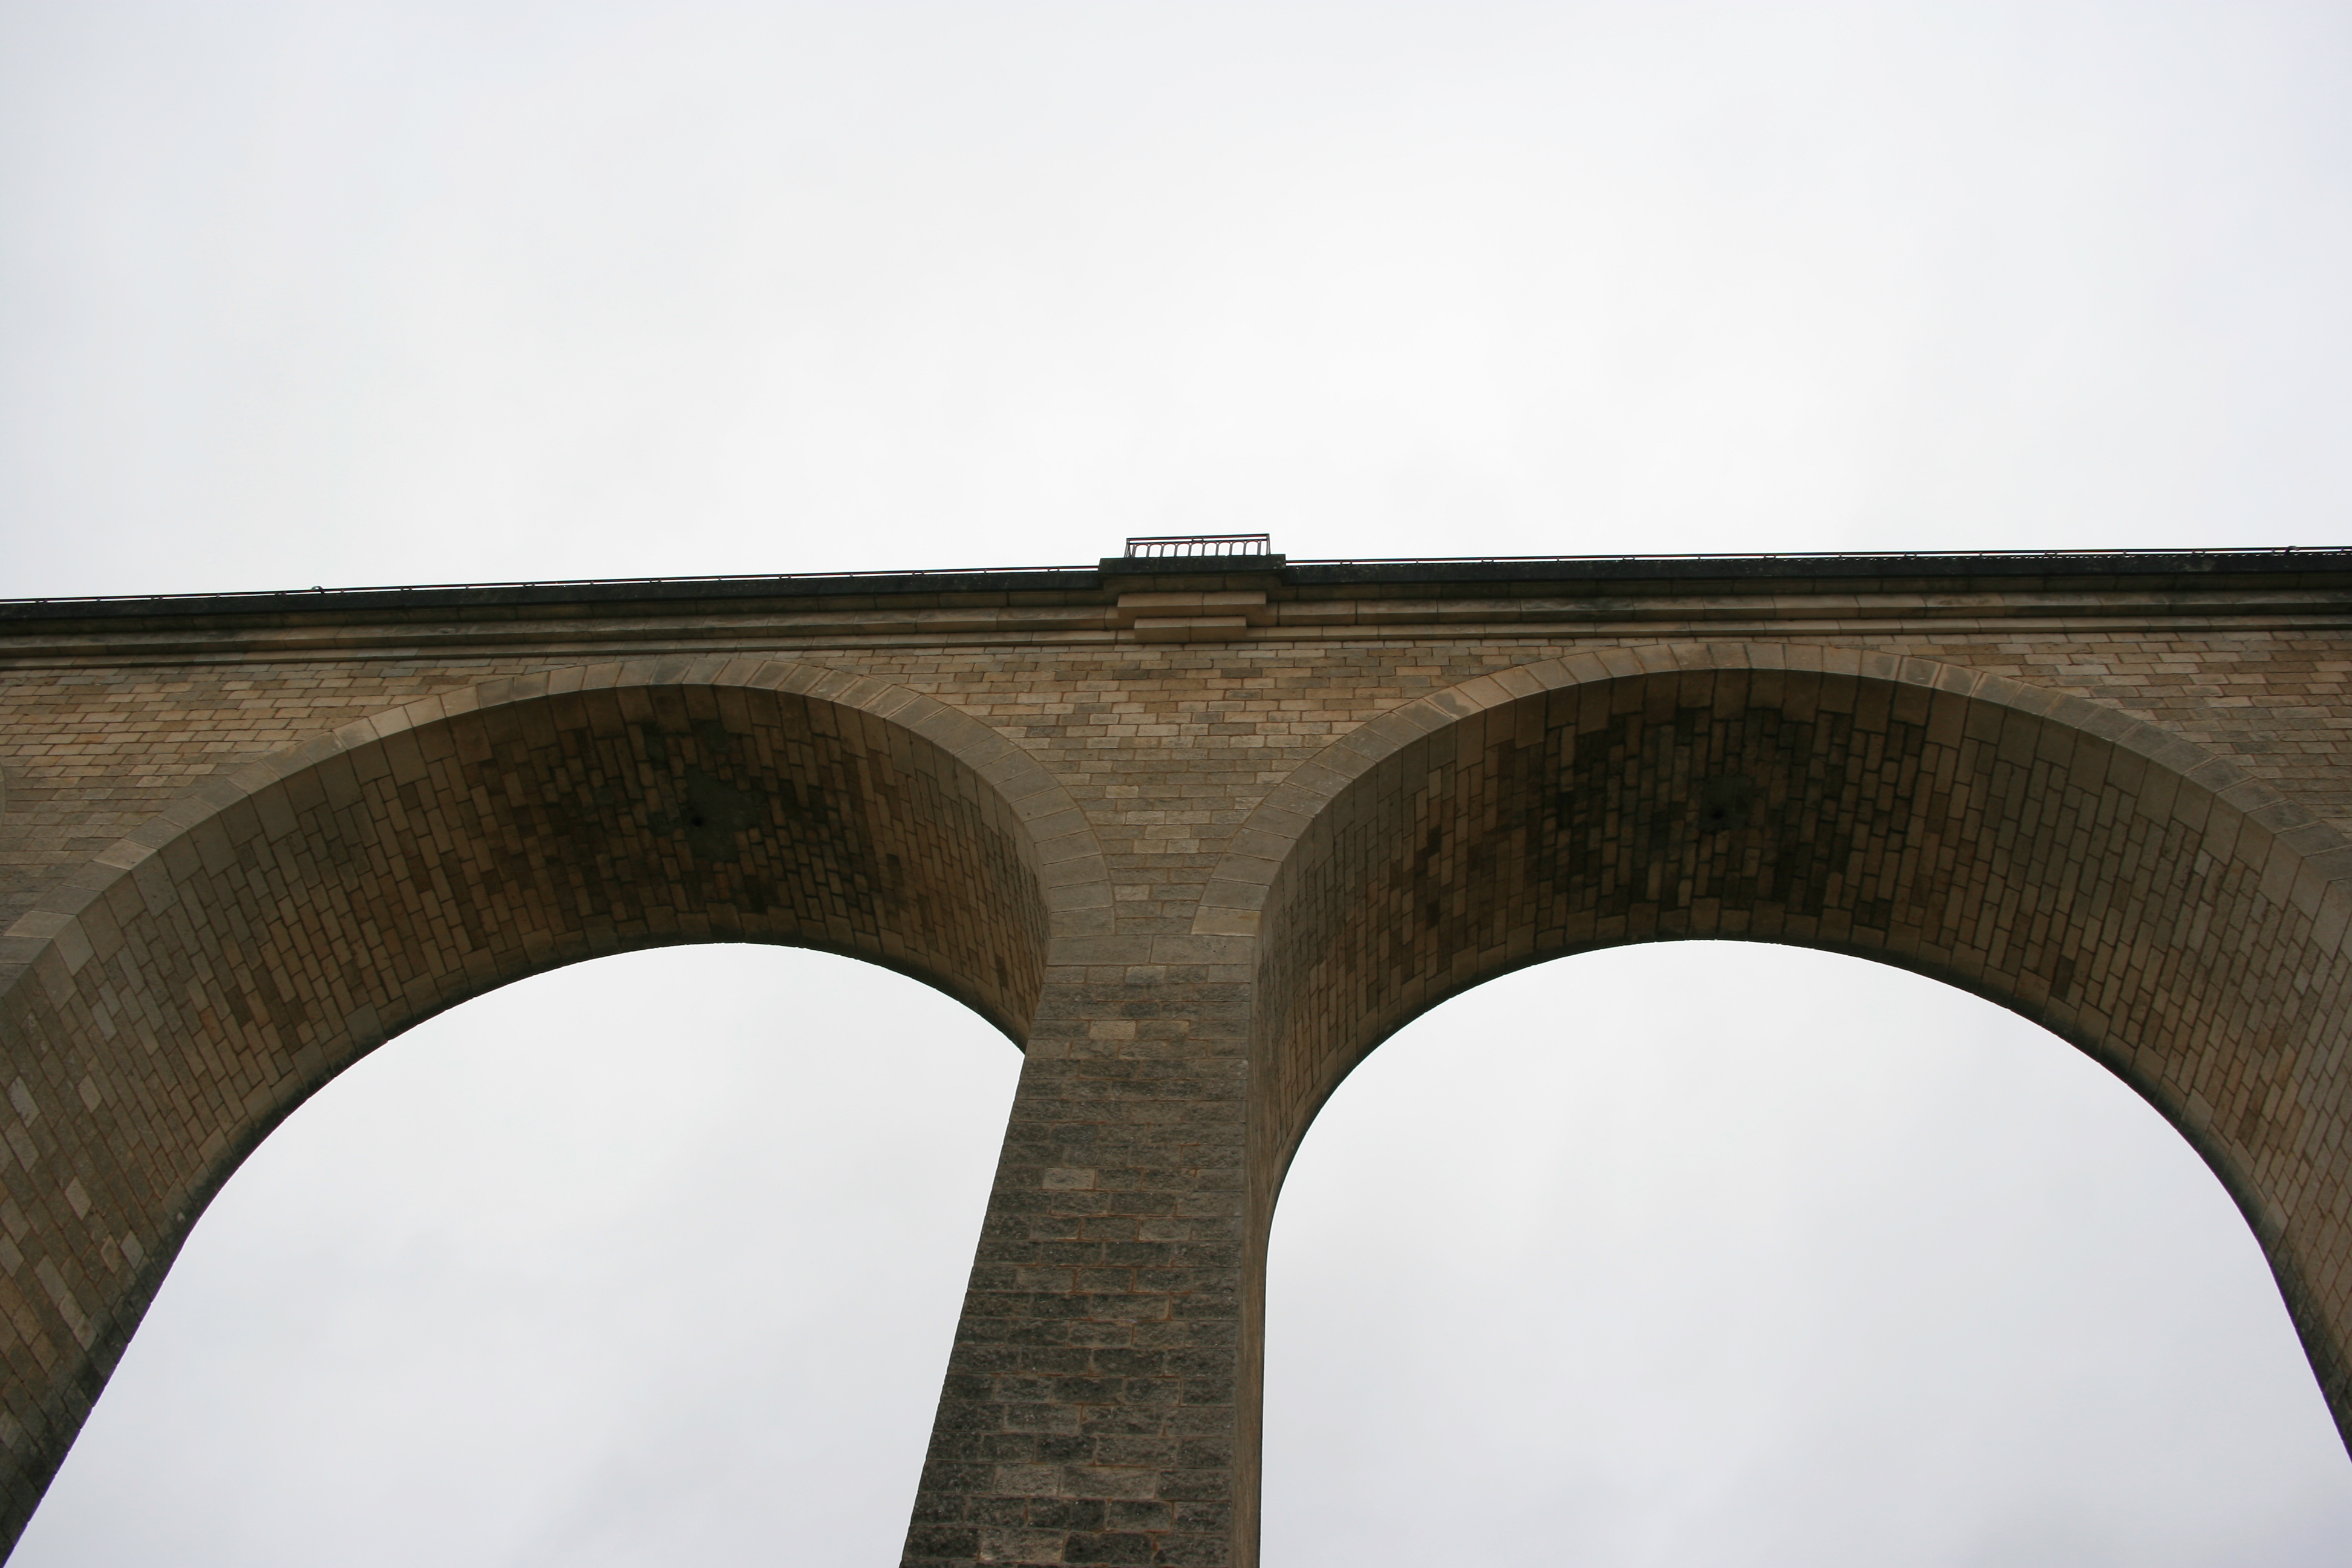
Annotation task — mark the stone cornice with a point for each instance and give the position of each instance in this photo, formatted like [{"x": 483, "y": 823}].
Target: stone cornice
[
  {"x": 1779, "y": 596},
  {"x": 2063, "y": 572}
]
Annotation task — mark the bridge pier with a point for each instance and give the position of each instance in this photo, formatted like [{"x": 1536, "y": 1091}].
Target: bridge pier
[{"x": 1092, "y": 1409}]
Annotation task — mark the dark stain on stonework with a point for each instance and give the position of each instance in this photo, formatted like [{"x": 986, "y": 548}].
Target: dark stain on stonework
[
  {"x": 716, "y": 811},
  {"x": 1725, "y": 803}
]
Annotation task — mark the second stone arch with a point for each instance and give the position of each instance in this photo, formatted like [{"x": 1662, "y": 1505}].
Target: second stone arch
[{"x": 2133, "y": 893}]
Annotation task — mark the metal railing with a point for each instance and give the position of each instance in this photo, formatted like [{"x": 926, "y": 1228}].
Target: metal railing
[
  {"x": 1164, "y": 544},
  {"x": 320, "y": 592},
  {"x": 2228, "y": 551}
]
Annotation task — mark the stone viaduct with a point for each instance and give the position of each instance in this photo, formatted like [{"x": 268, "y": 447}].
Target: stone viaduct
[{"x": 1198, "y": 832}]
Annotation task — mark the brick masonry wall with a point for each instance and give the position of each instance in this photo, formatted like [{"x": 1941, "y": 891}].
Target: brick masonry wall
[
  {"x": 90, "y": 750},
  {"x": 1200, "y": 877}
]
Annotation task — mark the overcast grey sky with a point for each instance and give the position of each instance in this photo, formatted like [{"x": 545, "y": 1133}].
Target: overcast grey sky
[
  {"x": 327, "y": 292},
  {"x": 1795, "y": 1261}
]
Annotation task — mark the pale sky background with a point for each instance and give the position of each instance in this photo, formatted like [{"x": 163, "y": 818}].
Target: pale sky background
[{"x": 1741, "y": 1257}]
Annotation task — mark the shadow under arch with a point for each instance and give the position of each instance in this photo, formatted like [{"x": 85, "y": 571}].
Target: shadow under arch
[
  {"x": 2144, "y": 900},
  {"x": 176, "y": 1000}
]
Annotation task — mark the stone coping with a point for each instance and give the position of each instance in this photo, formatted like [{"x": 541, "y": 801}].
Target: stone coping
[{"x": 2065, "y": 571}]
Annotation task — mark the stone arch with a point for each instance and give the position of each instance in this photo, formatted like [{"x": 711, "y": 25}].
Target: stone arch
[
  {"x": 164, "y": 1009},
  {"x": 2148, "y": 901}
]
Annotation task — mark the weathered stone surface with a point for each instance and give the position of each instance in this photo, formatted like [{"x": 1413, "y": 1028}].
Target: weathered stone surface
[{"x": 1200, "y": 839}]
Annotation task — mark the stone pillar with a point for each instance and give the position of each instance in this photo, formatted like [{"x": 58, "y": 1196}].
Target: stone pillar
[{"x": 1091, "y": 1410}]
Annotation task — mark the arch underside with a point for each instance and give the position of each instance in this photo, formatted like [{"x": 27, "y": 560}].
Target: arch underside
[
  {"x": 223, "y": 978},
  {"x": 2061, "y": 875}
]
